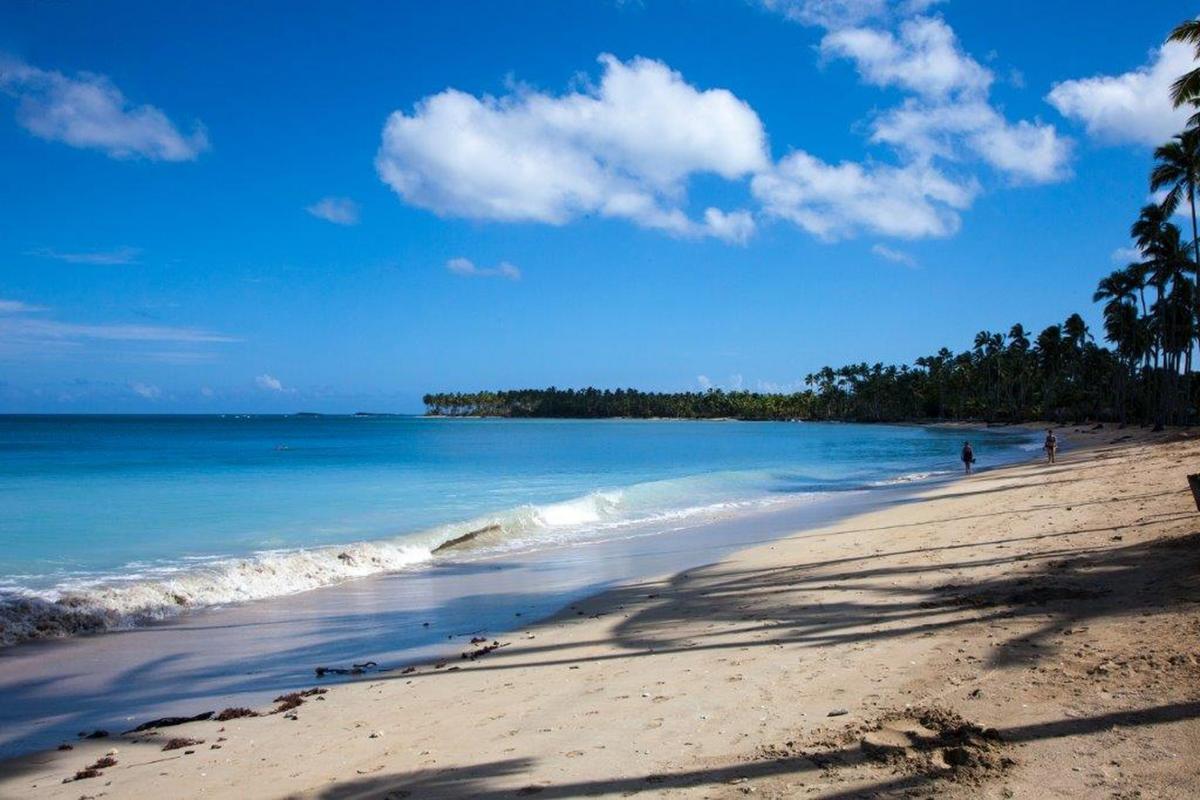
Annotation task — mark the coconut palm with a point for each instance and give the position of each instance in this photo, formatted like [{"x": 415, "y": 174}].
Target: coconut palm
[
  {"x": 1118, "y": 288},
  {"x": 1178, "y": 171},
  {"x": 1187, "y": 88}
]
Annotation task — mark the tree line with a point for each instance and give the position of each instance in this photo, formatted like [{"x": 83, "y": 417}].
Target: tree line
[
  {"x": 1004, "y": 377},
  {"x": 1151, "y": 316}
]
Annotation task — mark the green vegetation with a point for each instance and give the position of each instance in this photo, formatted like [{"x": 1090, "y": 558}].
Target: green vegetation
[{"x": 1151, "y": 319}]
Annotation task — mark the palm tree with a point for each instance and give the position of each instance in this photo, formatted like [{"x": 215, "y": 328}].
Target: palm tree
[
  {"x": 1178, "y": 170},
  {"x": 1118, "y": 288},
  {"x": 1187, "y": 88},
  {"x": 1147, "y": 233}
]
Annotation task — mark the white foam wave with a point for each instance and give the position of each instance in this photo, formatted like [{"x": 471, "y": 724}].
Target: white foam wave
[
  {"x": 131, "y": 601},
  {"x": 910, "y": 477},
  {"x": 145, "y": 592}
]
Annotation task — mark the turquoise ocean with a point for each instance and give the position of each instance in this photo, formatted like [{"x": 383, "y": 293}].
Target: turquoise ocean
[{"x": 113, "y": 522}]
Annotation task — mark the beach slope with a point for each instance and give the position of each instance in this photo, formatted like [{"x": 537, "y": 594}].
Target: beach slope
[{"x": 1032, "y": 631}]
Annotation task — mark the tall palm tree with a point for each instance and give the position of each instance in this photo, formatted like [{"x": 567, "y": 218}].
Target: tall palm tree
[
  {"x": 1118, "y": 288},
  {"x": 1187, "y": 88},
  {"x": 1178, "y": 171}
]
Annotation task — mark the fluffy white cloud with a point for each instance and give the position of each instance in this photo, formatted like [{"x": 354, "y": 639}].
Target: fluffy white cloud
[
  {"x": 268, "y": 383},
  {"x": 120, "y": 255},
  {"x": 924, "y": 58},
  {"x": 464, "y": 266},
  {"x": 1024, "y": 151},
  {"x": 88, "y": 111},
  {"x": 895, "y": 256},
  {"x": 625, "y": 148},
  {"x": 736, "y": 226},
  {"x": 835, "y": 201},
  {"x": 338, "y": 210},
  {"x": 1133, "y": 107},
  {"x": 950, "y": 117},
  {"x": 146, "y": 390}
]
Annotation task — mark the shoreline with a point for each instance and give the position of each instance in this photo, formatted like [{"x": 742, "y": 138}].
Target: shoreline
[
  {"x": 169, "y": 592},
  {"x": 687, "y": 643},
  {"x": 394, "y": 629}
]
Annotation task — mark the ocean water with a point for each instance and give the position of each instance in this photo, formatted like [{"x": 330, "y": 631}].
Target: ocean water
[{"x": 112, "y": 522}]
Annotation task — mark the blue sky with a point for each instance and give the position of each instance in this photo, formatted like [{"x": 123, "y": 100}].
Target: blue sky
[{"x": 338, "y": 207}]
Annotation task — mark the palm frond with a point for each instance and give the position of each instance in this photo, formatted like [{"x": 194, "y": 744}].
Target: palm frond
[{"x": 1186, "y": 88}]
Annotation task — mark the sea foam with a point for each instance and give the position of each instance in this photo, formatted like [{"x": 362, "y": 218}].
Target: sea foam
[{"x": 146, "y": 593}]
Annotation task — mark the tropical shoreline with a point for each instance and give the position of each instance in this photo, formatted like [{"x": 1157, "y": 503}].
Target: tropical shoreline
[
  {"x": 85, "y": 702},
  {"x": 161, "y": 591},
  {"x": 695, "y": 646}
]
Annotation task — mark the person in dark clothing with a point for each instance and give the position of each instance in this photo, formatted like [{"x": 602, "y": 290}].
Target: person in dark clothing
[
  {"x": 968, "y": 456},
  {"x": 1051, "y": 446}
]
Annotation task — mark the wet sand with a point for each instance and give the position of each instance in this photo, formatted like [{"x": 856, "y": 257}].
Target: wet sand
[
  {"x": 1033, "y": 631},
  {"x": 247, "y": 654}
]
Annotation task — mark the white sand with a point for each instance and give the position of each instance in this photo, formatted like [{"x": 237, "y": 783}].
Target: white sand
[{"x": 1058, "y": 605}]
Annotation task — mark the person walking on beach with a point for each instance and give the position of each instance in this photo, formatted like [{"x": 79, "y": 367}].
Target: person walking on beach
[
  {"x": 968, "y": 456},
  {"x": 1051, "y": 446}
]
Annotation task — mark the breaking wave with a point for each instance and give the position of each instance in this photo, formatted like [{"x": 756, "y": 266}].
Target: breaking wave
[{"x": 144, "y": 594}]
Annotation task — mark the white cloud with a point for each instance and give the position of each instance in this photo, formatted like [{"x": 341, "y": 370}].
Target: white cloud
[
  {"x": 88, "y": 111},
  {"x": 23, "y": 327},
  {"x": 786, "y": 387},
  {"x": 119, "y": 255},
  {"x": 844, "y": 13},
  {"x": 1126, "y": 255},
  {"x": 146, "y": 390},
  {"x": 925, "y": 58},
  {"x": 895, "y": 256},
  {"x": 268, "y": 383},
  {"x": 338, "y": 210},
  {"x": 464, "y": 266},
  {"x": 24, "y": 335},
  {"x": 1133, "y": 107},
  {"x": 628, "y": 147},
  {"x": 1024, "y": 151},
  {"x": 950, "y": 117},
  {"x": 736, "y": 226},
  {"x": 705, "y": 382},
  {"x": 625, "y": 148},
  {"x": 835, "y": 201},
  {"x": 18, "y": 307}
]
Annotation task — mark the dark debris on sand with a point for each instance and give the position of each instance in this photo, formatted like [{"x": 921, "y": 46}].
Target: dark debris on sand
[
  {"x": 168, "y": 722},
  {"x": 471, "y": 655},
  {"x": 929, "y": 741},
  {"x": 291, "y": 700},
  {"x": 180, "y": 742},
  {"x": 235, "y": 713}
]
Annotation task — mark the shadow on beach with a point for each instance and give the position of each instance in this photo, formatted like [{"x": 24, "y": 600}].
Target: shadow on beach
[{"x": 1059, "y": 588}]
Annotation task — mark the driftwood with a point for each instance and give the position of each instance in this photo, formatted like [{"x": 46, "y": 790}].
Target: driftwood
[
  {"x": 356, "y": 669},
  {"x": 167, "y": 722},
  {"x": 466, "y": 537}
]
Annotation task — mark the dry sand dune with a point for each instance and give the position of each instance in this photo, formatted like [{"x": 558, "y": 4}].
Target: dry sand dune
[{"x": 1027, "y": 632}]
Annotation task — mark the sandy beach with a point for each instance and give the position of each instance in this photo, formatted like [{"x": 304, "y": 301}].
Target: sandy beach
[{"x": 1032, "y": 631}]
